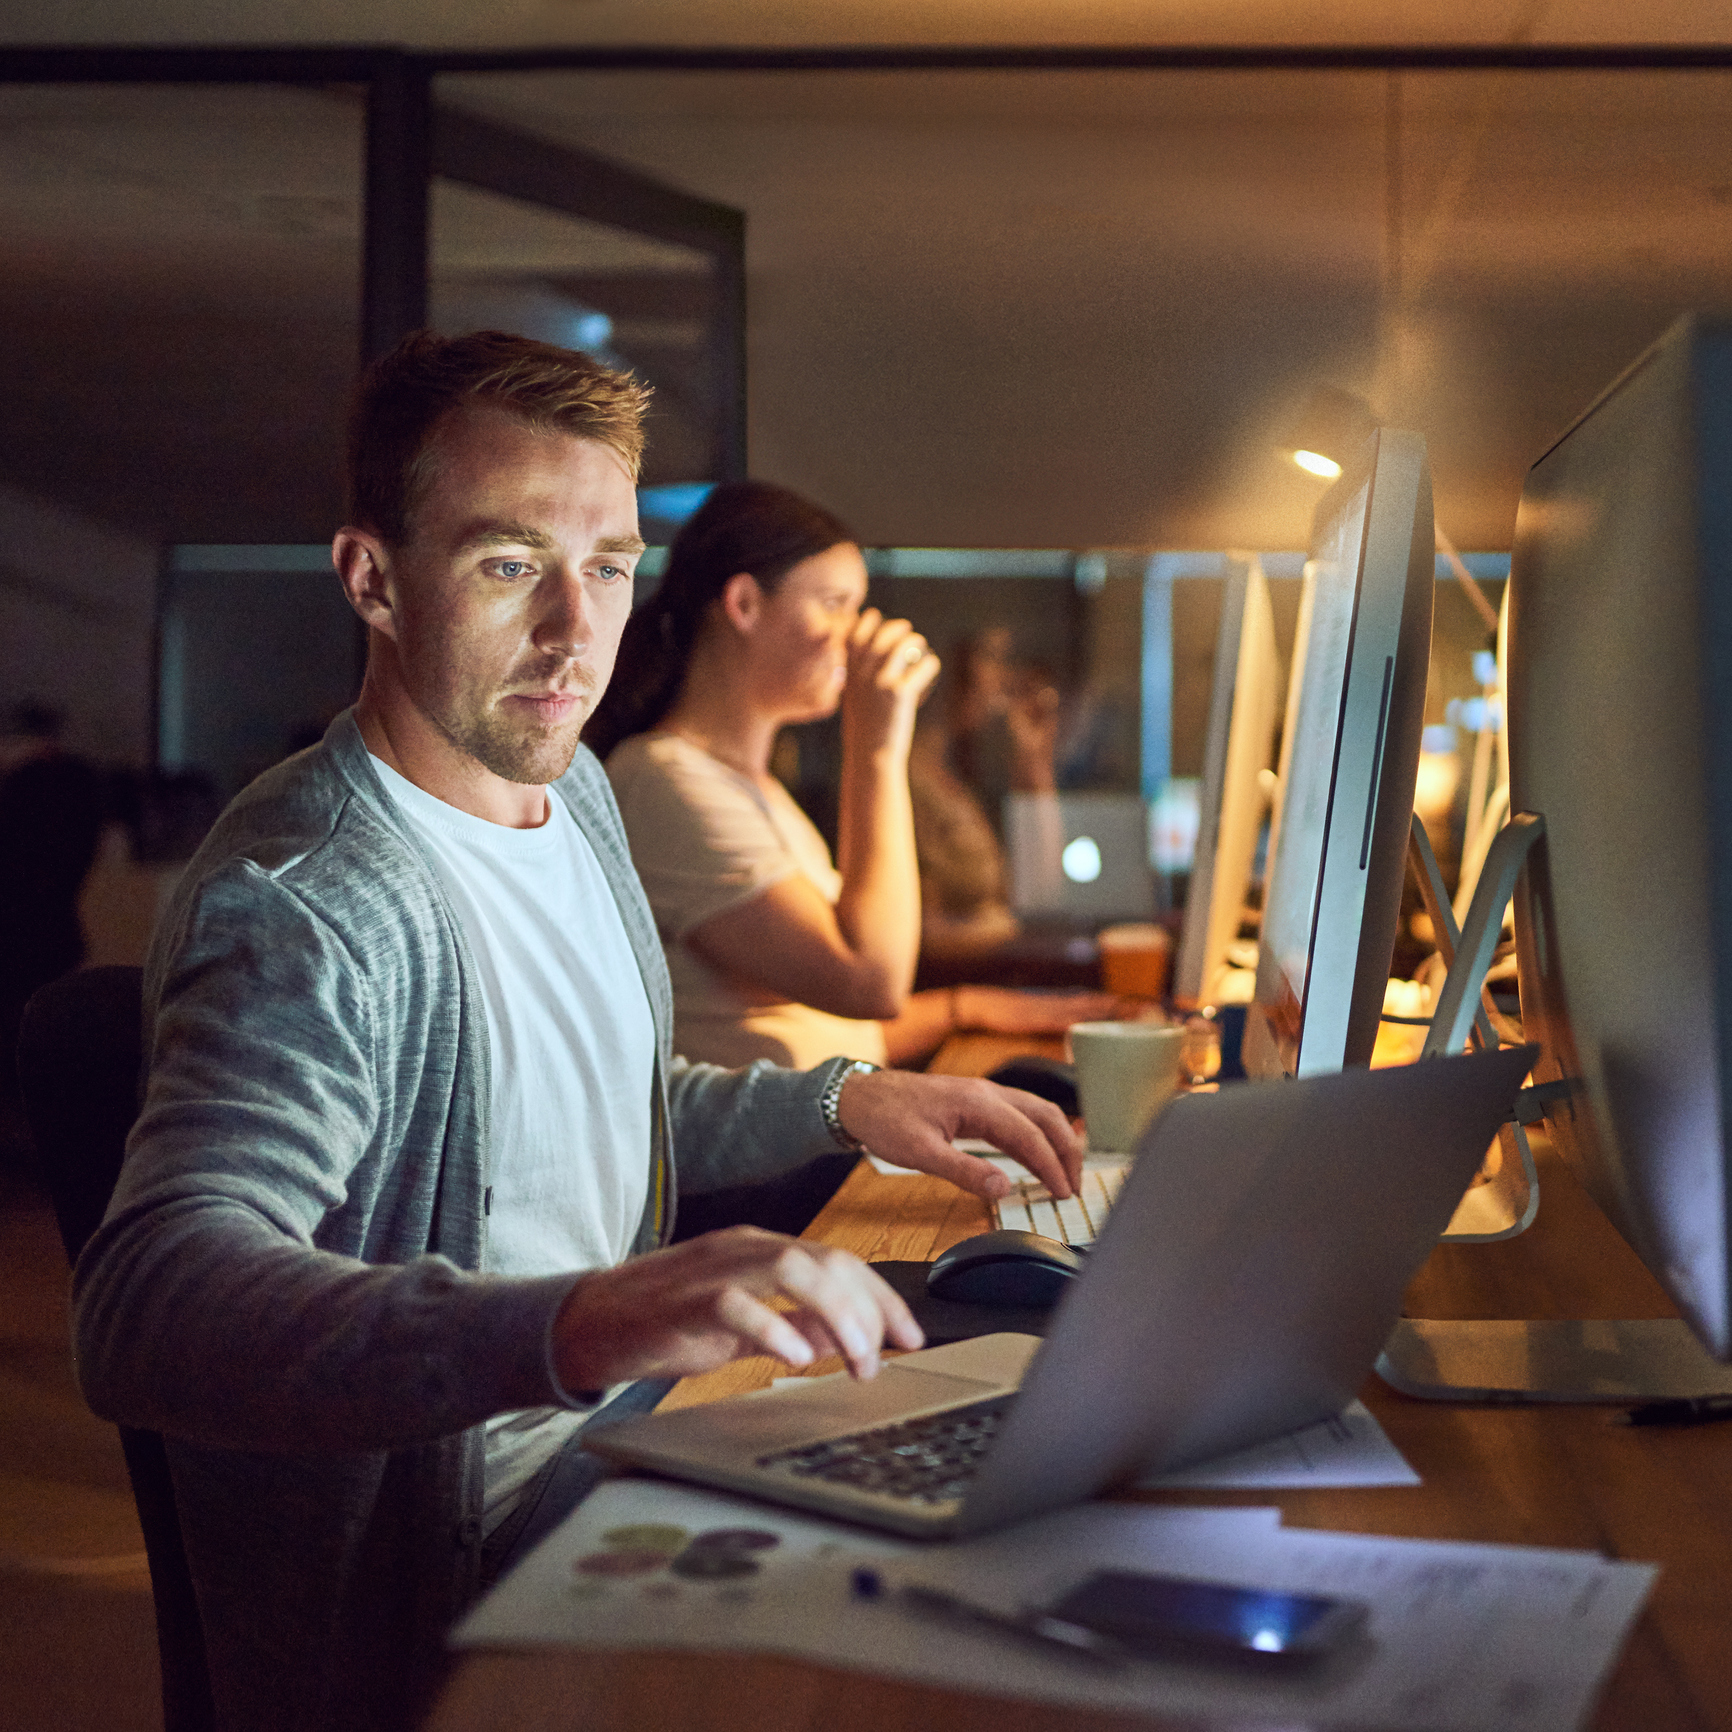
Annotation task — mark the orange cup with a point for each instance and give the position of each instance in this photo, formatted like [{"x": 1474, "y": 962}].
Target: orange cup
[{"x": 1135, "y": 959}]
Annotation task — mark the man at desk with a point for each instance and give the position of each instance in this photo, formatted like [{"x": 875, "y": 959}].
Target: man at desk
[{"x": 393, "y": 1217}]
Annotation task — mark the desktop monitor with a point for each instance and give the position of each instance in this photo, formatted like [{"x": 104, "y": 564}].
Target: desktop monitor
[
  {"x": 1244, "y": 706},
  {"x": 1339, "y": 855},
  {"x": 1620, "y": 740},
  {"x": 1290, "y": 717}
]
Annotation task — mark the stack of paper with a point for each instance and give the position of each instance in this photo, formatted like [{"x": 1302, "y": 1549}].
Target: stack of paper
[{"x": 1460, "y": 1636}]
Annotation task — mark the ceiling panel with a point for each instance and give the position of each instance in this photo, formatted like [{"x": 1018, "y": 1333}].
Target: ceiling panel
[
  {"x": 1072, "y": 309},
  {"x": 1055, "y": 309}
]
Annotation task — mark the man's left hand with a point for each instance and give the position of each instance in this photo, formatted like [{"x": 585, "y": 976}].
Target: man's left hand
[{"x": 911, "y": 1120}]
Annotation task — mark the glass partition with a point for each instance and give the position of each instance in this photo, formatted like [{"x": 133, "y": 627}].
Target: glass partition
[
  {"x": 631, "y": 300},
  {"x": 258, "y": 652},
  {"x": 530, "y": 230}
]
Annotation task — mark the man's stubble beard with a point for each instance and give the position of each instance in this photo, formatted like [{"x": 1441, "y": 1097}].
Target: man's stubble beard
[
  {"x": 533, "y": 761},
  {"x": 524, "y": 753}
]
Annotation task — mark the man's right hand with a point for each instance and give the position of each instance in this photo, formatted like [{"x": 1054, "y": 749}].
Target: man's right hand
[{"x": 694, "y": 1307}]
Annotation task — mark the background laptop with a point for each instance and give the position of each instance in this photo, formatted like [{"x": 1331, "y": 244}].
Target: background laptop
[
  {"x": 1085, "y": 856},
  {"x": 1246, "y": 1280}
]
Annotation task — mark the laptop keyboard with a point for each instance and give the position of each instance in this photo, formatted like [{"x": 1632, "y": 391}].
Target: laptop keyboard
[
  {"x": 928, "y": 1460},
  {"x": 1071, "y": 1220}
]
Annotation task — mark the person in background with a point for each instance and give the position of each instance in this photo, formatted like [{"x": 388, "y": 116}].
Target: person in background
[
  {"x": 775, "y": 950},
  {"x": 1002, "y": 718},
  {"x": 964, "y": 877}
]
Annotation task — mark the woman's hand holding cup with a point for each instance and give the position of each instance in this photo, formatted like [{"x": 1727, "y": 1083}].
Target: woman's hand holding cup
[{"x": 890, "y": 669}]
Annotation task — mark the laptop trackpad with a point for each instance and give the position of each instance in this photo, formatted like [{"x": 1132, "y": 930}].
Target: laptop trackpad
[
  {"x": 823, "y": 1407},
  {"x": 999, "y": 1359}
]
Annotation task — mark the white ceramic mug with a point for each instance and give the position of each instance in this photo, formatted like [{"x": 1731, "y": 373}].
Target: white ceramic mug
[{"x": 1125, "y": 1073}]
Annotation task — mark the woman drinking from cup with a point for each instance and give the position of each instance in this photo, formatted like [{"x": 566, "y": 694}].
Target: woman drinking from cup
[{"x": 775, "y": 950}]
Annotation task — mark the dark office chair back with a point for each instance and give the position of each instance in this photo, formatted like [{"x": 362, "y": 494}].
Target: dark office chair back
[{"x": 78, "y": 1065}]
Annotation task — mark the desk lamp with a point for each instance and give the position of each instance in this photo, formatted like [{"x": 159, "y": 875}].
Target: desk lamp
[{"x": 1331, "y": 428}]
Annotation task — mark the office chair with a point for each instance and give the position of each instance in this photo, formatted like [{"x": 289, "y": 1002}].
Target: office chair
[{"x": 79, "y": 1052}]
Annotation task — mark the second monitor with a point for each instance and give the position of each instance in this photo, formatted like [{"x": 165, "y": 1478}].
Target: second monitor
[
  {"x": 1244, "y": 708},
  {"x": 1350, "y": 757}
]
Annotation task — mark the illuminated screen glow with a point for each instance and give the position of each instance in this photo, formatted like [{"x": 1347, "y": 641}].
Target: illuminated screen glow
[{"x": 1082, "y": 860}]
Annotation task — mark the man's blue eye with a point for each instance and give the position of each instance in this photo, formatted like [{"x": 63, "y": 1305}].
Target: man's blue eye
[{"x": 512, "y": 567}]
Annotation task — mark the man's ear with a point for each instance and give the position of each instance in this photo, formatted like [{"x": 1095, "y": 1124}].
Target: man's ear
[
  {"x": 364, "y": 567},
  {"x": 742, "y": 601}
]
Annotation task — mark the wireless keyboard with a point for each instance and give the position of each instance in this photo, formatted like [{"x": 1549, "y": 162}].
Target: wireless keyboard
[{"x": 1073, "y": 1220}]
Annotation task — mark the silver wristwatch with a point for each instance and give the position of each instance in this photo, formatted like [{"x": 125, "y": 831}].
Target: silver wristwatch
[{"x": 830, "y": 1102}]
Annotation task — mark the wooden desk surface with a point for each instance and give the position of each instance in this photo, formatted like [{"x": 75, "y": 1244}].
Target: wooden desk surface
[{"x": 1541, "y": 1476}]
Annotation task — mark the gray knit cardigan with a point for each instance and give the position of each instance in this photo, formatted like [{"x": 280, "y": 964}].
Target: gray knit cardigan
[{"x": 286, "y": 1284}]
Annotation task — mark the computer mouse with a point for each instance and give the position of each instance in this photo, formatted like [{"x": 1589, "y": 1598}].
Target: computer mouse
[
  {"x": 1006, "y": 1267},
  {"x": 1050, "y": 1078}
]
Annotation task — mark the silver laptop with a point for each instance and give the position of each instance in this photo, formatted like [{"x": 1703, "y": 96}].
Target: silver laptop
[
  {"x": 1085, "y": 856},
  {"x": 1248, "y": 1275}
]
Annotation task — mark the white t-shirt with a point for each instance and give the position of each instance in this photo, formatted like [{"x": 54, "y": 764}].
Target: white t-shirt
[{"x": 572, "y": 1045}]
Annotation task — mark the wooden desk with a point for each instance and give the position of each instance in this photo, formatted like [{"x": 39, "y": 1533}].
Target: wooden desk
[
  {"x": 974, "y": 1053},
  {"x": 1558, "y": 1477}
]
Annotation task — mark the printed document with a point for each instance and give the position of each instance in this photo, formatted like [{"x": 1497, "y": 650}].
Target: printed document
[{"x": 1460, "y": 1638}]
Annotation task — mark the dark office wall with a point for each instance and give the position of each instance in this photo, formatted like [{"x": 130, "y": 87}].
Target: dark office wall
[
  {"x": 176, "y": 420},
  {"x": 1145, "y": 411},
  {"x": 179, "y": 287}
]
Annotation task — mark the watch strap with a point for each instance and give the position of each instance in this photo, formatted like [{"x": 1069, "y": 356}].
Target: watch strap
[{"x": 830, "y": 1103}]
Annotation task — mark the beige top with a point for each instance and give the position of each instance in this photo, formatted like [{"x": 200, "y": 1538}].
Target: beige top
[{"x": 705, "y": 838}]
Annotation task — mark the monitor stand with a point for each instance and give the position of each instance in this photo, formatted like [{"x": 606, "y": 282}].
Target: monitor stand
[
  {"x": 1506, "y": 1195},
  {"x": 1505, "y": 1359}
]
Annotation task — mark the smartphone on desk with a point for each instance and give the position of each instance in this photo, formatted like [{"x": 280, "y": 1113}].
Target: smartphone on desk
[{"x": 1174, "y": 1617}]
